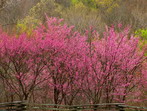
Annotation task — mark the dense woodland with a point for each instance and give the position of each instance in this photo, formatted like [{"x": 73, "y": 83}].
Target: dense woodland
[{"x": 73, "y": 51}]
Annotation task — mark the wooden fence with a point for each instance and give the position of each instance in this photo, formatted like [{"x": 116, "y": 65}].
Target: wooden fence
[
  {"x": 13, "y": 106},
  {"x": 22, "y": 106}
]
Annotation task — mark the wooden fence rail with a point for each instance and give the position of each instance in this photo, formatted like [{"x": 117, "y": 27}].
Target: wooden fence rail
[
  {"x": 13, "y": 106},
  {"x": 23, "y": 106}
]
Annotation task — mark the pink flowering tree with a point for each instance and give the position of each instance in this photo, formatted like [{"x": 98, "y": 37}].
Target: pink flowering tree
[
  {"x": 22, "y": 69},
  {"x": 114, "y": 67},
  {"x": 64, "y": 60}
]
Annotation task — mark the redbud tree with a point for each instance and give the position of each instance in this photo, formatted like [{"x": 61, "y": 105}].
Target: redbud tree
[{"x": 59, "y": 65}]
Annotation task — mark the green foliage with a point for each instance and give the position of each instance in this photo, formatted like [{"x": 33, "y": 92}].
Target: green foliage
[
  {"x": 143, "y": 34},
  {"x": 89, "y": 3},
  {"x": 75, "y": 1},
  {"x": 105, "y": 5},
  {"x": 27, "y": 25}
]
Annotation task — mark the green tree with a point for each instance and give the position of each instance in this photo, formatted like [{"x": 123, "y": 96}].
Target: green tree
[{"x": 142, "y": 33}]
